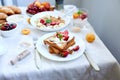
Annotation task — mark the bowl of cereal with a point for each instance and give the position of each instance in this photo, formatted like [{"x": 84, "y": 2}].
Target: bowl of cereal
[{"x": 49, "y": 21}]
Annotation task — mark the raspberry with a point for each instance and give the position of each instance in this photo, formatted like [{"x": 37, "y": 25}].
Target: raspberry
[{"x": 76, "y": 48}]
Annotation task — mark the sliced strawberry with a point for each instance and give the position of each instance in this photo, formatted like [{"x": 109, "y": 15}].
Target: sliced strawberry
[
  {"x": 13, "y": 27},
  {"x": 42, "y": 21},
  {"x": 57, "y": 23},
  {"x": 65, "y": 33},
  {"x": 83, "y": 16},
  {"x": 64, "y": 53},
  {"x": 65, "y": 38},
  {"x": 76, "y": 48},
  {"x": 53, "y": 23}
]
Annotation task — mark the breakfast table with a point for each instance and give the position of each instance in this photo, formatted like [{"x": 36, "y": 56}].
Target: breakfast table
[{"x": 75, "y": 69}]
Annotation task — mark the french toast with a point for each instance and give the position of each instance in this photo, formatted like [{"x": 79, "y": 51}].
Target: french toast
[{"x": 59, "y": 42}]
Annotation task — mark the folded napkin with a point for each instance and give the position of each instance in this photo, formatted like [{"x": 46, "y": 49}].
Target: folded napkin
[{"x": 24, "y": 47}]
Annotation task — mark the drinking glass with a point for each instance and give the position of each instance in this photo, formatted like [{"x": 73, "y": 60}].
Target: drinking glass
[
  {"x": 81, "y": 21},
  {"x": 59, "y": 4}
]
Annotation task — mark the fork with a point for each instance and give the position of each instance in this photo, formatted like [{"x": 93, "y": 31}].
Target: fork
[{"x": 37, "y": 56}]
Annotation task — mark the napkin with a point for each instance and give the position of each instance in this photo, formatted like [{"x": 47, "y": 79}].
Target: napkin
[{"x": 23, "y": 49}]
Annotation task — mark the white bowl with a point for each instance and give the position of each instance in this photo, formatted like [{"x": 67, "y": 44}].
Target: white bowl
[
  {"x": 16, "y": 18},
  {"x": 37, "y": 16},
  {"x": 8, "y": 33}
]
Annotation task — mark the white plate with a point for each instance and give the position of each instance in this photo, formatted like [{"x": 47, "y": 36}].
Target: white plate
[
  {"x": 50, "y": 13},
  {"x": 15, "y": 18},
  {"x": 42, "y": 49}
]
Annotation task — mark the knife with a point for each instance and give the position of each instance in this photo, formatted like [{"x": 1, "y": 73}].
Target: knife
[{"x": 90, "y": 60}]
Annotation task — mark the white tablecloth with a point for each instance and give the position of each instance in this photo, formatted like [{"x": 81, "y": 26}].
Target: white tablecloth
[{"x": 78, "y": 69}]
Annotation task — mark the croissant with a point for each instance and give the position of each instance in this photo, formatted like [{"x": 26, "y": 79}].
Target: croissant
[
  {"x": 2, "y": 21},
  {"x": 3, "y": 16},
  {"x": 15, "y": 9},
  {"x": 6, "y": 10}
]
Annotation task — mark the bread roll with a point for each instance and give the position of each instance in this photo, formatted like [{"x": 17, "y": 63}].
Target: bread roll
[
  {"x": 15, "y": 9},
  {"x": 3, "y": 16},
  {"x": 6, "y": 10},
  {"x": 2, "y": 21}
]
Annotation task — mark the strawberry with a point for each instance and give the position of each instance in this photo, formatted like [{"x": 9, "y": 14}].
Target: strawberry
[
  {"x": 42, "y": 21},
  {"x": 64, "y": 53},
  {"x": 65, "y": 33},
  {"x": 65, "y": 38},
  {"x": 13, "y": 27},
  {"x": 76, "y": 48},
  {"x": 83, "y": 16},
  {"x": 53, "y": 23},
  {"x": 3, "y": 28},
  {"x": 57, "y": 23}
]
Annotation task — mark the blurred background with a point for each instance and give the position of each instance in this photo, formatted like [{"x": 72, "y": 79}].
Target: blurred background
[{"x": 103, "y": 15}]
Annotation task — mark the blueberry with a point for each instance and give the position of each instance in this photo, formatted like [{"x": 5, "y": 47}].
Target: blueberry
[{"x": 11, "y": 24}]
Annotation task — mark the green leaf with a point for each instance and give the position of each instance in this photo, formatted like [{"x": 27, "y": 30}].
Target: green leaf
[
  {"x": 79, "y": 12},
  {"x": 48, "y": 21},
  {"x": 60, "y": 36}
]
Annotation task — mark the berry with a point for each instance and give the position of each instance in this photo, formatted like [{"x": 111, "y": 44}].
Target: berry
[
  {"x": 3, "y": 28},
  {"x": 8, "y": 26},
  {"x": 64, "y": 53},
  {"x": 66, "y": 38},
  {"x": 13, "y": 27},
  {"x": 83, "y": 16},
  {"x": 53, "y": 23},
  {"x": 42, "y": 21},
  {"x": 76, "y": 48},
  {"x": 65, "y": 33}
]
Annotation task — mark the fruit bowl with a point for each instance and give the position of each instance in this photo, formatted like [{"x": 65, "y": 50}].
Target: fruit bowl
[
  {"x": 37, "y": 7},
  {"x": 8, "y": 29}
]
